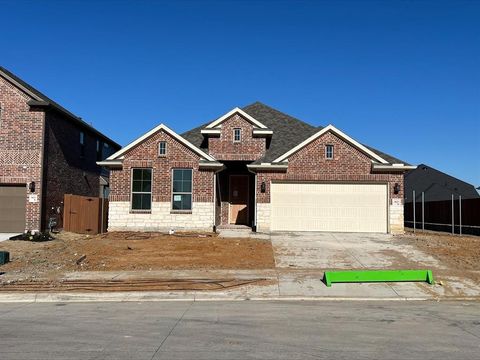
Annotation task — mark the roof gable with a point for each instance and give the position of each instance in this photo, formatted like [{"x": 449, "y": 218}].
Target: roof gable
[
  {"x": 288, "y": 132},
  {"x": 340, "y": 134},
  {"x": 234, "y": 111},
  {"x": 162, "y": 127}
]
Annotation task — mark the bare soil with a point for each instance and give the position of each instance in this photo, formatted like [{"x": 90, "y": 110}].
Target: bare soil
[
  {"x": 458, "y": 255},
  {"x": 454, "y": 251},
  {"x": 132, "y": 251}
]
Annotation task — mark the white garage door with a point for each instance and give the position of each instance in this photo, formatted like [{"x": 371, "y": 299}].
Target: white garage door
[{"x": 329, "y": 207}]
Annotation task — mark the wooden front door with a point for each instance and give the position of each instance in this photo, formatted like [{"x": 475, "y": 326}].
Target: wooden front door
[{"x": 238, "y": 199}]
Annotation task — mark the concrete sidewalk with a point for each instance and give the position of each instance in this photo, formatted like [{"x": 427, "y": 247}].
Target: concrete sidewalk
[{"x": 280, "y": 284}]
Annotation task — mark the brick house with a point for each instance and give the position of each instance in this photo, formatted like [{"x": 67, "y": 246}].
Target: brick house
[
  {"x": 45, "y": 152},
  {"x": 255, "y": 167}
]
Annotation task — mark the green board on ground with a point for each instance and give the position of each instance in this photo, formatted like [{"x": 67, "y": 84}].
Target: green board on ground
[{"x": 349, "y": 276}]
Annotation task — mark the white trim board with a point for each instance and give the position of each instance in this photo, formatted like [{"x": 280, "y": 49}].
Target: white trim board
[
  {"x": 232, "y": 112},
  {"x": 337, "y": 132},
  {"x": 154, "y": 131}
]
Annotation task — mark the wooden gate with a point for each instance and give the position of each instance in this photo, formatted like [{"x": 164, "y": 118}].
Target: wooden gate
[{"x": 85, "y": 215}]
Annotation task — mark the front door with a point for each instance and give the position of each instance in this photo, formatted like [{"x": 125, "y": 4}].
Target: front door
[{"x": 238, "y": 199}]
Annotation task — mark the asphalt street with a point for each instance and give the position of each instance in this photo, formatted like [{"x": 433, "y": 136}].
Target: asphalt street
[{"x": 240, "y": 330}]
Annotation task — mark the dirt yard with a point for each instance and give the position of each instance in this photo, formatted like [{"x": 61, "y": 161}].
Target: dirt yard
[
  {"x": 133, "y": 251},
  {"x": 453, "y": 251}
]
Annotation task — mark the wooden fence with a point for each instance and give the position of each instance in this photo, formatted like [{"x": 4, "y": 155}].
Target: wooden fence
[
  {"x": 437, "y": 215},
  {"x": 85, "y": 215}
]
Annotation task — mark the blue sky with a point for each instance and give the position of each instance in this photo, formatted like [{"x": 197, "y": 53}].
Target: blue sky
[{"x": 403, "y": 77}]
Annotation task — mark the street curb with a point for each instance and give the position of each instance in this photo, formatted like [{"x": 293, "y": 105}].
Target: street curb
[{"x": 162, "y": 296}]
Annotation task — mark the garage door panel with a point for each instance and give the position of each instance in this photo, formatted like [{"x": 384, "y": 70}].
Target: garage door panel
[
  {"x": 12, "y": 208},
  {"x": 329, "y": 207}
]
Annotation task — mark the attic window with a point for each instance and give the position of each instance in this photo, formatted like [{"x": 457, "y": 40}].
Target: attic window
[
  {"x": 162, "y": 148},
  {"x": 329, "y": 152},
  {"x": 237, "y": 135}
]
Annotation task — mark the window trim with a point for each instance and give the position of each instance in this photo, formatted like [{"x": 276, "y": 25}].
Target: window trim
[
  {"x": 181, "y": 211},
  {"x": 141, "y": 211},
  {"x": 165, "y": 154},
  {"x": 239, "y": 135},
  {"x": 326, "y": 152}
]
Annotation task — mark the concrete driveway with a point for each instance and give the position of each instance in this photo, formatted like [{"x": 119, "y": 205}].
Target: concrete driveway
[
  {"x": 6, "y": 236},
  {"x": 313, "y": 250},
  {"x": 301, "y": 258}
]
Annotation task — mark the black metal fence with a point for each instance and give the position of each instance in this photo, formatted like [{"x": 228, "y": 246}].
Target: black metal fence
[{"x": 458, "y": 216}]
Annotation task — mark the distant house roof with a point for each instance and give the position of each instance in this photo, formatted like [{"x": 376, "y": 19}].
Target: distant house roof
[
  {"x": 41, "y": 100},
  {"x": 287, "y": 133},
  {"x": 436, "y": 185}
]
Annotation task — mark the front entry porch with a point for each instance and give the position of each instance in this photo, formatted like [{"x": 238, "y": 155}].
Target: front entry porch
[{"x": 235, "y": 195}]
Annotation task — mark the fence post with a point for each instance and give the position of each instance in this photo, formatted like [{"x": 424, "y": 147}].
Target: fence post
[
  {"x": 460, "y": 213},
  {"x": 453, "y": 217},
  {"x": 414, "y": 219},
  {"x": 423, "y": 211}
]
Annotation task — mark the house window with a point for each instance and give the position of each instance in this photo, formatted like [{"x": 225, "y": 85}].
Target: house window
[
  {"x": 237, "y": 135},
  {"x": 329, "y": 152},
  {"x": 182, "y": 189},
  {"x": 141, "y": 189},
  {"x": 107, "y": 151},
  {"x": 162, "y": 148},
  {"x": 82, "y": 144},
  {"x": 99, "y": 150}
]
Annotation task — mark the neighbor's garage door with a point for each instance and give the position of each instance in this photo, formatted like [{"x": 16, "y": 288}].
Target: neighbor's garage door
[
  {"x": 12, "y": 208},
  {"x": 329, "y": 207}
]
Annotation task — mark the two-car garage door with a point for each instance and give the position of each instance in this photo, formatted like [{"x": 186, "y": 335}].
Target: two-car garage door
[
  {"x": 329, "y": 207},
  {"x": 12, "y": 208}
]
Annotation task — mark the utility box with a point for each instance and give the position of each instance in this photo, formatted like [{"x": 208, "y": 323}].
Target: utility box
[{"x": 4, "y": 257}]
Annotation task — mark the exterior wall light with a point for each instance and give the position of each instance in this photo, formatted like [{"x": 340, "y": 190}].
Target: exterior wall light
[
  {"x": 263, "y": 187},
  {"x": 31, "y": 186},
  {"x": 396, "y": 188}
]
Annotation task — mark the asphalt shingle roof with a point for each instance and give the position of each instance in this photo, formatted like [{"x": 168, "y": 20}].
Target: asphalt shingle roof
[
  {"x": 436, "y": 185},
  {"x": 55, "y": 105},
  {"x": 287, "y": 132}
]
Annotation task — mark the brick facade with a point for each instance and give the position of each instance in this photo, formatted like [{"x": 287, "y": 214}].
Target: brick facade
[
  {"x": 21, "y": 146},
  {"x": 41, "y": 144},
  {"x": 308, "y": 164},
  {"x": 248, "y": 149},
  {"x": 66, "y": 171},
  {"x": 161, "y": 216}
]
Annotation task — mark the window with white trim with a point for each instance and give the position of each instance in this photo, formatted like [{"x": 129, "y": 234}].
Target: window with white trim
[
  {"x": 329, "y": 152},
  {"x": 162, "y": 148},
  {"x": 182, "y": 189},
  {"x": 141, "y": 189},
  {"x": 237, "y": 135}
]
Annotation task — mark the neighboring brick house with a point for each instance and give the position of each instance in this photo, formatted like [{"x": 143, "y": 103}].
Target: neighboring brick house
[
  {"x": 45, "y": 152},
  {"x": 255, "y": 167}
]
